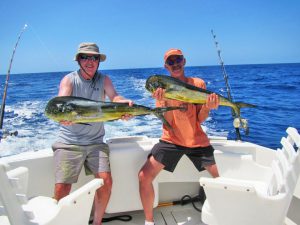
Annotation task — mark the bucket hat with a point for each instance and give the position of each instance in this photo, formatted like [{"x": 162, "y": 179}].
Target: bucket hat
[{"x": 89, "y": 48}]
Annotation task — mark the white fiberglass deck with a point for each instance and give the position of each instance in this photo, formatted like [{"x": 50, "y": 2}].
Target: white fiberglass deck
[
  {"x": 167, "y": 215},
  {"x": 128, "y": 155},
  {"x": 170, "y": 215}
]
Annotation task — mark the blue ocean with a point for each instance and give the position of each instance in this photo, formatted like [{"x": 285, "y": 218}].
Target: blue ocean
[{"x": 273, "y": 88}]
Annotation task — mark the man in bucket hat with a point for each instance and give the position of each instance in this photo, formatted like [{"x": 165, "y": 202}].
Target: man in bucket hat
[
  {"x": 82, "y": 144},
  {"x": 89, "y": 48}
]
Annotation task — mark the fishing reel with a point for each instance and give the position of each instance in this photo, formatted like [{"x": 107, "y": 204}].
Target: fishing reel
[
  {"x": 5, "y": 133},
  {"x": 241, "y": 123}
]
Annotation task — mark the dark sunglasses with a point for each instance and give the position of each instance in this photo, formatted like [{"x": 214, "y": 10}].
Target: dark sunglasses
[
  {"x": 177, "y": 60},
  {"x": 89, "y": 57}
]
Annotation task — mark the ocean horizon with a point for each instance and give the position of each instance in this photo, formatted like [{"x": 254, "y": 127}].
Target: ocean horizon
[{"x": 159, "y": 67}]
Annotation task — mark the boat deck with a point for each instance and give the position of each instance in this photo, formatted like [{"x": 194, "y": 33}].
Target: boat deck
[
  {"x": 170, "y": 215},
  {"x": 166, "y": 215}
]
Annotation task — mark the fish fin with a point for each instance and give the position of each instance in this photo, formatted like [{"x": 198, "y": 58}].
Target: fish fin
[
  {"x": 244, "y": 105},
  {"x": 159, "y": 113},
  {"x": 238, "y": 105},
  {"x": 166, "y": 109},
  {"x": 87, "y": 124}
]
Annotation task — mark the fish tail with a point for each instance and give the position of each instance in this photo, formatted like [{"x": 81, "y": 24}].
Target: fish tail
[
  {"x": 87, "y": 124},
  {"x": 162, "y": 118},
  {"x": 244, "y": 105},
  {"x": 159, "y": 111},
  {"x": 238, "y": 105}
]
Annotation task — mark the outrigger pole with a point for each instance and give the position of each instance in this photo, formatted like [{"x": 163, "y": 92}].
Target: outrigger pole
[
  {"x": 7, "y": 78},
  {"x": 237, "y": 130}
]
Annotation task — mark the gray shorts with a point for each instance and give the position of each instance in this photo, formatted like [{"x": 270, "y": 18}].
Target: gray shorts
[{"x": 69, "y": 159}]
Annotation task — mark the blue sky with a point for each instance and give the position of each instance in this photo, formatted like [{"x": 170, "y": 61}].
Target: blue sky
[{"x": 136, "y": 33}]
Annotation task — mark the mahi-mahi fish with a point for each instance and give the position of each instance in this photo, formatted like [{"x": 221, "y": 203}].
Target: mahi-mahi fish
[
  {"x": 82, "y": 110},
  {"x": 178, "y": 90}
]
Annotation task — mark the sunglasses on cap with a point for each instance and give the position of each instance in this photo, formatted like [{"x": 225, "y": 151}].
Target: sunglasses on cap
[
  {"x": 89, "y": 57},
  {"x": 176, "y": 60}
]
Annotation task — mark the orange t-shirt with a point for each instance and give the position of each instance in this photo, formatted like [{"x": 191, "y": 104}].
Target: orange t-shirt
[{"x": 186, "y": 125}]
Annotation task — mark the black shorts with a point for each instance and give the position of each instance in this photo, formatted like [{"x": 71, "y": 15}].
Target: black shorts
[{"x": 169, "y": 154}]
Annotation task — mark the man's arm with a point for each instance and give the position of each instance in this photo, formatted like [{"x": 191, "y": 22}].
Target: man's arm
[
  {"x": 110, "y": 91},
  {"x": 212, "y": 102},
  {"x": 112, "y": 94},
  {"x": 65, "y": 87}
]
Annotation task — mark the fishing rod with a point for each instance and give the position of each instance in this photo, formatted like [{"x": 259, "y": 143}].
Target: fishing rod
[
  {"x": 238, "y": 122},
  {"x": 6, "y": 133}
]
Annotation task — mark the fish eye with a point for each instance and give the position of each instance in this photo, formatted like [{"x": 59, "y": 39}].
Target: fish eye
[
  {"x": 157, "y": 84},
  {"x": 68, "y": 108}
]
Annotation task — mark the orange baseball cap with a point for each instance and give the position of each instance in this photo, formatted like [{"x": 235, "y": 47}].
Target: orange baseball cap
[{"x": 172, "y": 51}]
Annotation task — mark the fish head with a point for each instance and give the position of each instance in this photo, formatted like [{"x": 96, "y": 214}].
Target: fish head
[
  {"x": 57, "y": 108},
  {"x": 154, "y": 82}
]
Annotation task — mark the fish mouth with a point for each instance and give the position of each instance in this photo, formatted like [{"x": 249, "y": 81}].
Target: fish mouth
[
  {"x": 154, "y": 82},
  {"x": 150, "y": 84}
]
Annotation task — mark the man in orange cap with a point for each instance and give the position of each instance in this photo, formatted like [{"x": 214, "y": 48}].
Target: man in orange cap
[{"x": 185, "y": 137}]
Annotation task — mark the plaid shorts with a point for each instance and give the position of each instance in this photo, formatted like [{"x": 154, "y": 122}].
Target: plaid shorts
[{"x": 69, "y": 159}]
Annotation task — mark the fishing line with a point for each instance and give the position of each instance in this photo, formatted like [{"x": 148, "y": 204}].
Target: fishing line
[
  {"x": 223, "y": 67},
  {"x": 238, "y": 135},
  {"x": 6, "y": 133},
  {"x": 44, "y": 46}
]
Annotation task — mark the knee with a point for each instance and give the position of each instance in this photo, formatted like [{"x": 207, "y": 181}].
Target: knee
[
  {"x": 213, "y": 170},
  {"x": 144, "y": 177},
  {"x": 60, "y": 187},
  {"x": 61, "y": 190},
  {"x": 107, "y": 182}
]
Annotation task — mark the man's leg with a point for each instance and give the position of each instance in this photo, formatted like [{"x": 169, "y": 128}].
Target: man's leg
[
  {"x": 67, "y": 164},
  {"x": 146, "y": 175},
  {"x": 102, "y": 197},
  {"x": 204, "y": 157},
  {"x": 213, "y": 170},
  {"x": 61, "y": 190}
]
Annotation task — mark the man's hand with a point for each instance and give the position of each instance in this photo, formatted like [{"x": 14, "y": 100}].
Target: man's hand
[
  {"x": 130, "y": 103},
  {"x": 126, "y": 117},
  {"x": 212, "y": 101},
  {"x": 159, "y": 94},
  {"x": 66, "y": 123}
]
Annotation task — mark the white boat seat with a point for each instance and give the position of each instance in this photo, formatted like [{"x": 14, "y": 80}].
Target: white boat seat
[
  {"x": 235, "y": 201},
  {"x": 74, "y": 208},
  {"x": 293, "y": 136},
  {"x": 241, "y": 166},
  {"x": 20, "y": 176}
]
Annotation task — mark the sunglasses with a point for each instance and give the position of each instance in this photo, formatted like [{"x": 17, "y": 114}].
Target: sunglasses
[
  {"x": 89, "y": 57},
  {"x": 176, "y": 60}
]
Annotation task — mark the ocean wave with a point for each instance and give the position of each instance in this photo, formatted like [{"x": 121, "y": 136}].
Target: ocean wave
[{"x": 273, "y": 88}]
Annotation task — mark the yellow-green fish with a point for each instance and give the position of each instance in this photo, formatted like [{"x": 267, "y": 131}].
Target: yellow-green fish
[
  {"x": 178, "y": 90},
  {"x": 82, "y": 110}
]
